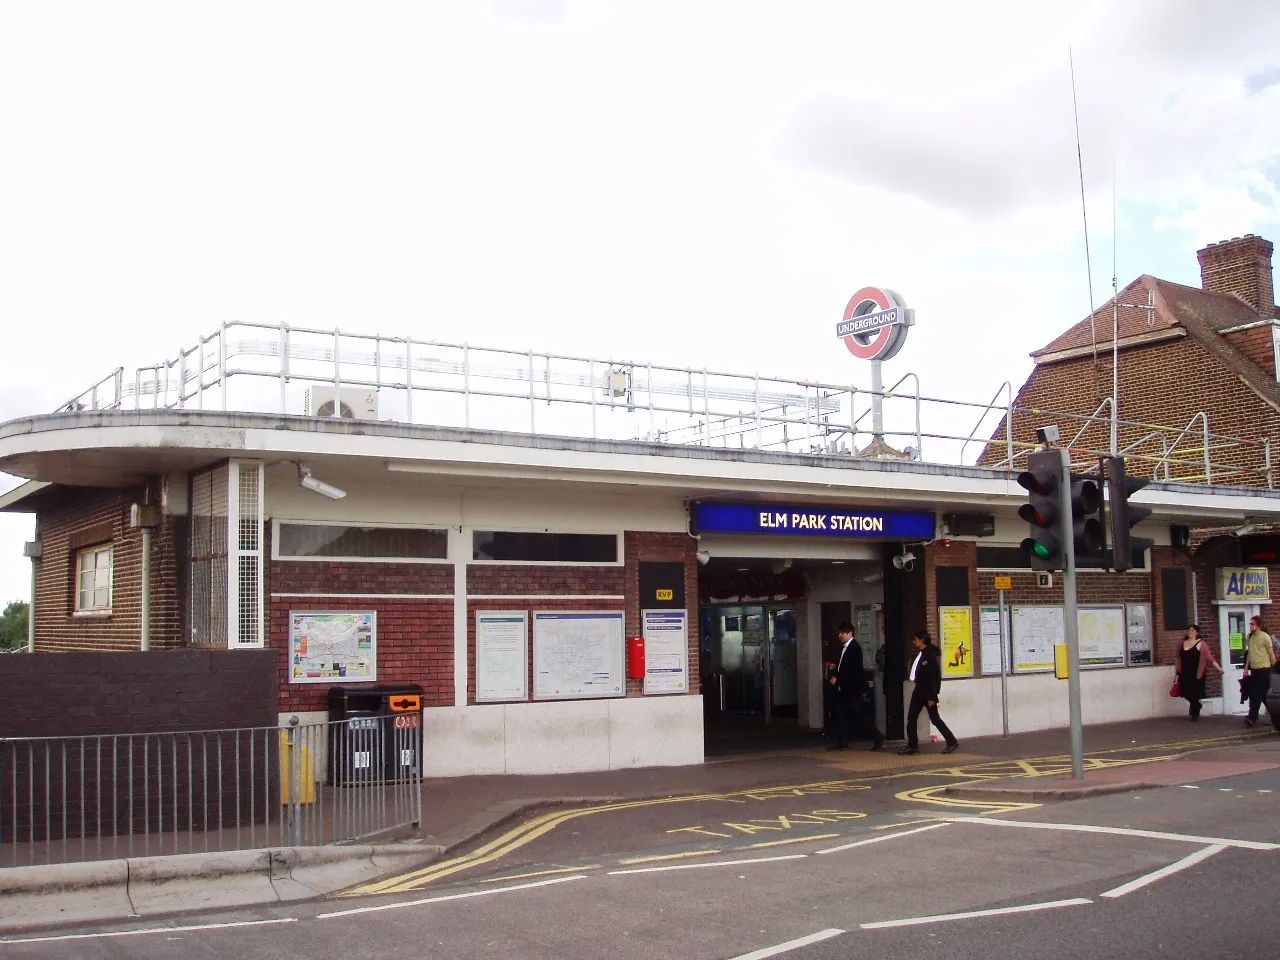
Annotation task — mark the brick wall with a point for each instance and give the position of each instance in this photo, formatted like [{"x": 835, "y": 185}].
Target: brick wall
[
  {"x": 660, "y": 548},
  {"x": 1258, "y": 344},
  {"x": 1164, "y": 383},
  {"x": 86, "y": 517},
  {"x": 414, "y": 633},
  {"x": 75, "y": 695},
  {"x": 490, "y": 579}
]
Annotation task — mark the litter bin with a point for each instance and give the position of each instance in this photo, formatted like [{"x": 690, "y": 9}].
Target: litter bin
[
  {"x": 356, "y": 749},
  {"x": 375, "y": 734},
  {"x": 402, "y": 716}
]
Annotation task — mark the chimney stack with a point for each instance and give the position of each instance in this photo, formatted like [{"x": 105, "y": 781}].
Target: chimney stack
[{"x": 1241, "y": 266}]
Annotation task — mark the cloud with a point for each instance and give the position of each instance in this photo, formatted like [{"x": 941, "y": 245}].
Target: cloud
[
  {"x": 974, "y": 161},
  {"x": 546, "y": 12}
]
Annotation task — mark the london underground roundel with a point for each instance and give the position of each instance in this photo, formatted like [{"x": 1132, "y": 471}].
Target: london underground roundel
[{"x": 875, "y": 323}]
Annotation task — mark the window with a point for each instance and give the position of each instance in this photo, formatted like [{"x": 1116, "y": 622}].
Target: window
[
  {"x": 1015, "y": 558},
  {"x": 313, "y": 540},
  {"x": 1173, "y": 593},
  {"x": 514, "y": 547},
  {"x": 93, "y": 580}
]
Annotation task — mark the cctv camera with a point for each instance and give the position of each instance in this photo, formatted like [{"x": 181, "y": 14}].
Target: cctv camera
[{"x": 308, "y": 482}]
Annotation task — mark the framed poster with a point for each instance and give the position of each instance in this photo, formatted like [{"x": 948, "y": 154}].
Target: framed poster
[
  {"x": 1036, "y": 630},
  {"x": 1137, "y": 630},
  {"x": 955, "y": 624},
  {"x": 989, "y": 640},
  {"x": 577, "y": 655},
  {"x": 502, "y": 656},
  {"x": 1101, "y": 636},
  {"x": 666, "y": 651},
  {"x": 333, "y": 645}
]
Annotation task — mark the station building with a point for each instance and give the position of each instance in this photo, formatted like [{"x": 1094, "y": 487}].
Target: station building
[{"x": 499, "y": 528}]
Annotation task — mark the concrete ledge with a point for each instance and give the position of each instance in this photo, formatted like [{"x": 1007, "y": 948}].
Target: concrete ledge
[
  {"x": 119, "y": 889},
  {"x": 1055, "y": 790}
]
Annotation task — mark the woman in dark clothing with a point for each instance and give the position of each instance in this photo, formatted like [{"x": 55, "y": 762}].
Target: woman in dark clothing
[{"x": 1194, "y": 660}]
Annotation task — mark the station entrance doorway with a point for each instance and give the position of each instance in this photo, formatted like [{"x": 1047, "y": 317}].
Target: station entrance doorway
[{"x": 768, "y": 630}]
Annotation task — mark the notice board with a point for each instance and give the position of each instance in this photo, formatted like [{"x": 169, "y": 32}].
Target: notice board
[
  {"x": 989, "y": 640},
  {"x": 1035, "y": 632},
  {"x": 333, "y": 645},
  {"x": 1101, "y": 636},
  {"x": 666, "y": 651},
  {"x": 502, "y": 656},
  {"x": 577, "y": 655}
]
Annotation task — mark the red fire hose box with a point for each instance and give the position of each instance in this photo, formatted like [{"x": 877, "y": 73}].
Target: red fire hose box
[{"x": 635, "y": 658}]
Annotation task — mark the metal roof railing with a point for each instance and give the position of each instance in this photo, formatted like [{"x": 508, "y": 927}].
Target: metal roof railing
[{"x": 255, "y": 367}]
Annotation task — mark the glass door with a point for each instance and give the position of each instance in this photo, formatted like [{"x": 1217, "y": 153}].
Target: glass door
[
  {"x": 784, "y": 690},
  {"x": 1233, "y": 628}
]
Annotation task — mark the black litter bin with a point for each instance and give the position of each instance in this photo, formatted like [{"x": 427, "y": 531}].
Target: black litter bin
[{"x": 375, "y": 734}]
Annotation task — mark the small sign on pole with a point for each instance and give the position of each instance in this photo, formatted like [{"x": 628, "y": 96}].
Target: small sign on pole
[{"x": 1004, "y": 583}]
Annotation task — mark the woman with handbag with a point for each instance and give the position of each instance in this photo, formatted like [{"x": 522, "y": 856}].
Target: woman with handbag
[{"x": 1194, "y": 660}]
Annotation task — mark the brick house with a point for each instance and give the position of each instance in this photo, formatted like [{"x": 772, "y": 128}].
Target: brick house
[{"x": 1196, "y": 369}]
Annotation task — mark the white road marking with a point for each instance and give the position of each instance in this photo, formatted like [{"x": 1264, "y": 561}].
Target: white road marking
[
  {"x": 147, "y": 930},
  {"x": 1121, "y": 832},
  {"x": 764, "y": 952},
  {"x": 1264, "y": 791},
  {"x": 969, "y": 915},
  {"x": 886, "y": 836},
  {"x": 1188, "y": 861},
  {"x": 452, "y": 896},
  {"x": 1189, "y": 786},
  {"x": 705, "y": 866}
]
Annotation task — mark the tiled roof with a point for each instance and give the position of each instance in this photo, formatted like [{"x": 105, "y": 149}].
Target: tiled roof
[
  {"x": 1174, "y": 304},
  {"x": 1200, "y": 313}
]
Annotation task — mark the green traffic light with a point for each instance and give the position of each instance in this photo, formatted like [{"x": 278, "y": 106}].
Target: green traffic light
[{"x": 1041, "y": 551}]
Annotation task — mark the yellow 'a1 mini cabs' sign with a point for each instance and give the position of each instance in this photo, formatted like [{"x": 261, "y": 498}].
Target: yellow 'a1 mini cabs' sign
[{"x": 1243, "y": 584}]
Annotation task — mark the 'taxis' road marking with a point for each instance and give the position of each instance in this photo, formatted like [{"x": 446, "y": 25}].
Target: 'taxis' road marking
[
  {"x": 1120, "y": 832},
  {"x": 996, "y": 912},
  {"x": 1170, "y": 870},
  {"x": 451, "y": 896},
  {"x": 704, "y": 866},
  {"x": 143, "y": 932},
  {"x": 886, "y": 836},
  {"x": 764, "y": 952}
]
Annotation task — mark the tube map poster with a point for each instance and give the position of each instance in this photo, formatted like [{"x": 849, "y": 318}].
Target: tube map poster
[{"x": 332, "y": 645}]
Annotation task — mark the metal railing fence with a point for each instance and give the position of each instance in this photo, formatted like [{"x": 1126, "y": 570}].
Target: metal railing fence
[
  {"x": 271, "y": 368},
  {"x": 65, "y": 799}
]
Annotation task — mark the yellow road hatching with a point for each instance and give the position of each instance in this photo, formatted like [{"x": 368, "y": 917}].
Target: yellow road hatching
[{"x": 543, "y": 824}]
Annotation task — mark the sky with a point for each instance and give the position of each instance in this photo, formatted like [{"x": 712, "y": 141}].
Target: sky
[{"x": 690, "y": 183}]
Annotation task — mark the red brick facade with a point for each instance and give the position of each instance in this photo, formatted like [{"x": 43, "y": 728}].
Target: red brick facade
[
  {"x": 86, "y": 518},
  {"x": 414, "y": 632}
]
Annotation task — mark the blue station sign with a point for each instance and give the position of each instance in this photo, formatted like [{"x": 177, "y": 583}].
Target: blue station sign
[{"x": 806, "y": 521}]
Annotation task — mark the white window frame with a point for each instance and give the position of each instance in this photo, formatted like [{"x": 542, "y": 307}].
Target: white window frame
[
  {"x": 470, "y": 547},
  {"x": 291, "y": 558},
  {"x": 96, "y": 551}
]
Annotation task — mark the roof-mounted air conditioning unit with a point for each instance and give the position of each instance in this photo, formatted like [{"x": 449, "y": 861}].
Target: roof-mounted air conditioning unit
[{"x": 354, "y": 403}]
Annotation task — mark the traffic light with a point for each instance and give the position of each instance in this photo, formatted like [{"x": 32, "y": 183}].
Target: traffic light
[
  {"x": 1087, "y": 532},
  {"x": 1043, "y": 480},
  {"x": 1124, "y": 516}
]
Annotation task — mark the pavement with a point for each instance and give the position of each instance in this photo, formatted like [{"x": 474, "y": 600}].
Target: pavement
[{"x": 462, "y": 815}]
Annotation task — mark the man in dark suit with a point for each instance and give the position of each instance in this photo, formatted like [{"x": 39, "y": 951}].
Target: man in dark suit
[
  {"x": 849, "y": 685},
  {"x": 926, "y": 672}
]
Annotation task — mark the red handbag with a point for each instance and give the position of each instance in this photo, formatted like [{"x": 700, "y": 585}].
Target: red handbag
[{"x": 1176, "y": 689}]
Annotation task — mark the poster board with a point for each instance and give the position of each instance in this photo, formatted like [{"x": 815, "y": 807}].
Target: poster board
[
  {"x": 666, "y": 651},
  {"x": 1137, "y": 630},
  {"x": 955, "y": 624},
  {"x": 1101, "y": 636},
  {"x": 577, "y": 655},
  {"x": 1035, "y": 631},
  {"x": 989, "y": 640},
  {"x": 502, "y": 656},
  {"x": 328, "y": 646}
]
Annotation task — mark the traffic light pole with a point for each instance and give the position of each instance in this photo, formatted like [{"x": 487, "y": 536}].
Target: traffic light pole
[{"x": 1071, "y": 627}]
